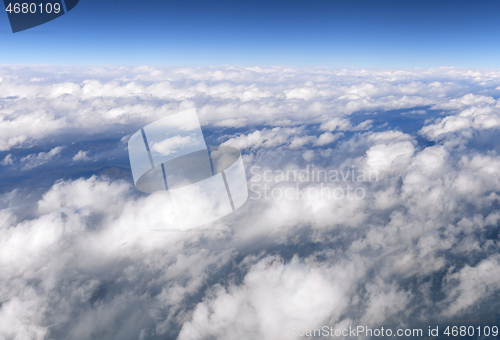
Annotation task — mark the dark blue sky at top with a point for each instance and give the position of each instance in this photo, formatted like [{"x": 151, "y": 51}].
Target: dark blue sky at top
[{"x": 388, "y": 34}]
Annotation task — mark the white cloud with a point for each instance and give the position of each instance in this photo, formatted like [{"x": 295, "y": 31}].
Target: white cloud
[
  {"x": 232, "y": 122},
  {"x": 327, "y": 138},
  {"x": 393, "y": 157},
  {"x": 81, "y": 156},
  {"x": 34, "y": 160},
  {"x": 270, "y": 138},
  {"x": 273, "y": 298},
  {"x": 224, "y": 96},
  {"x": 334, "y": 124},
  {"x": 342, "y": 124},
  {"x": 170, "y": 145},
  {"x": 8, "y": 160},
  {"x": 308, "y": 155},
  {"x": 474, "y": 284}
]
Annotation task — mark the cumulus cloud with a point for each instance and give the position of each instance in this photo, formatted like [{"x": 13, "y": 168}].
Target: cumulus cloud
[
  {"x": 81, "y": 156},
  {"x": 87, "y": 256},
  {"x": 389, "y": 157},
  {"x": 34, "y": 160},
  {"x": 336, "y": 124},
  {"x": 327, "y": 138},
  {"x": 101, "y": 99},
  {"x": 232, "y": 122},
  {"x": 170, "y": 145},
  {"x": 274, "y": 298},
  {"x": 270, "y": 138},
  {"x": 474, "y": 284}
]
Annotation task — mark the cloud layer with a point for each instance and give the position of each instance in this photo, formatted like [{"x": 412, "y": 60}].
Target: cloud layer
[{"x": 87, "y": 256}]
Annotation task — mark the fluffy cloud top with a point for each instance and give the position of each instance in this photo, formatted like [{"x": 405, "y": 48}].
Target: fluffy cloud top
[{"x": 97, "y": 100}]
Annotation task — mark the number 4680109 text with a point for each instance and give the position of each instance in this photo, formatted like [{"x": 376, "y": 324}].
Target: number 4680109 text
[{"x": 33, "y": 8}]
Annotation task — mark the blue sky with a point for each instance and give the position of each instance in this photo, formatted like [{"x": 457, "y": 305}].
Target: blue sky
[{"x": 373, "y": 34}]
